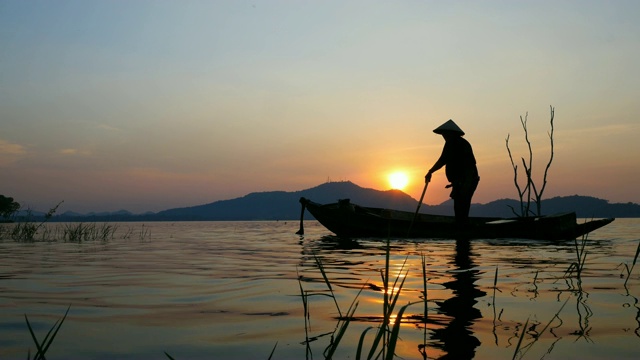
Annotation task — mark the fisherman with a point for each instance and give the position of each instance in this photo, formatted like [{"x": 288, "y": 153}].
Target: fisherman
[{"x": 461, "y": 170}]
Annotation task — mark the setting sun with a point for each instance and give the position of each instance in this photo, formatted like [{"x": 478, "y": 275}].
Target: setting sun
[{"x": 398, "y": 180}]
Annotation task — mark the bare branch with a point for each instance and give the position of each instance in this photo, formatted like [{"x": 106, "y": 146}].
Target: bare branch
[
  {"x": 546, "y": 170},
  {"x": 528, "y": 168},
  {"x": 515, "y": 179},
  {"x": 527, "y": 189}
]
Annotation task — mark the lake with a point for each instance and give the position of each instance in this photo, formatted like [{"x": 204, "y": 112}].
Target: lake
[{"x": 232, "y": 290}]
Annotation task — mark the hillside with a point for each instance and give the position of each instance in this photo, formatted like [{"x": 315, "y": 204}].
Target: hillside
[{"x": 282, "y": 205}]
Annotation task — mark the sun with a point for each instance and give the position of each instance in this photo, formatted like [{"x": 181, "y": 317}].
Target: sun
[{"x": 398, "y": 180}]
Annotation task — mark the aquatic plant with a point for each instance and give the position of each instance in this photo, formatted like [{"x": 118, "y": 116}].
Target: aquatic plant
[
  {"x": 79, "y": 232},
  {"x": 343, "y": 320},
  {"x": 273, "y": 350},
  {"x": 144, "y": 233},
  {"x": 423, "y": 347},
  {"x": 493, "y": 303},
  {"x": 48, "y": 339},
  {"x": 522, "y": 350},
  {"x": 26, "y": 229},
  {"x": 633, "y": 264},
  {"x": 581, "y": 257},
  {"x": 524, "y": 330},
  {"x": 141, "y": 235},
  {"x": 387, "y": 335},
  {"x": 327, "y": 282},
  {"x": 305, "y": 306}
]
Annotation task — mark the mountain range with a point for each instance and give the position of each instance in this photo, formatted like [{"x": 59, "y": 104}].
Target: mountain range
[{"x": 282, "y": 205}]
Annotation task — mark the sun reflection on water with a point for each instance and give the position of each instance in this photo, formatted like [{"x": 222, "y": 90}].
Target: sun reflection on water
[{"x": 232, "y": 290}]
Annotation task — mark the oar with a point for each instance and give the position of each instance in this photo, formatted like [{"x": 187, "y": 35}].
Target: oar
[
  {"x": 415, "y": 216},
  {"x": 301, "y": 231}
]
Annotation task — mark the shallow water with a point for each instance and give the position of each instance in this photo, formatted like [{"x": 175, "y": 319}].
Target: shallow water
[{"x": 230, "y": 290}]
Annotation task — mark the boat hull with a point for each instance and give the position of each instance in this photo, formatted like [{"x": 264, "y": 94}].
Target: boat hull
[{"x": 349, "y": 220}]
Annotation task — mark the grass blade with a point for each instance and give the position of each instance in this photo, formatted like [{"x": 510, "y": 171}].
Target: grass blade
[
  {"x": 395, "y": 332},
  {"x": 48, "y": 339},
  {"x": 629, "y": 270},
  {"x": 556, "y": 316},
  {"x": 272, "y": 351},
  {"x": 636, "y": 257},
  {"x": 426, "y": 305},
  {"x": 376, "y": 340},
  {"x": 524, "y": 330},
  {"x": 59, "y": 323},
  {"x": 340, "y": 333},
  {"x": 343, "y": 327},
  {"x": 361, "y": 342},
  {"x": 33, "y": 336},
  {"x": 326, "y": 281}
]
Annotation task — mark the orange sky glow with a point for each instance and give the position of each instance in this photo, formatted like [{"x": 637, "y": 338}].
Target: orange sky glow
[{"x": 147, "y": 106}]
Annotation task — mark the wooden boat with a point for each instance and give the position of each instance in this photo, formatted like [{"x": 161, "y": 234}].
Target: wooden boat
[{"x": 353, "y": 221}]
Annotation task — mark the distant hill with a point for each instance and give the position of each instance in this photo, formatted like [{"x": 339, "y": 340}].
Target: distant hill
[
  {"x": 282, "y": 205},
  {"x": 584, "y": 206}
]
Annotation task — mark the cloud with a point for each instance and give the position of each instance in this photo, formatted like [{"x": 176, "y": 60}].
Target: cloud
[
  {"x": 8, "y": 148},
  {"x": 74, "y": 152},
  {"x": 10, "y": 152}
]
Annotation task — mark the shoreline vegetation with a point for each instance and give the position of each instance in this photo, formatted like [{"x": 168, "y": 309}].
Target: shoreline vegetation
[{"x": 34, "y": 230}]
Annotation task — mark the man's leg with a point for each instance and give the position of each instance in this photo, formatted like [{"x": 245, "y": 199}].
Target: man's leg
[
  {"x": 461, "y": 206},
  {"x": 462, "y": 201}
]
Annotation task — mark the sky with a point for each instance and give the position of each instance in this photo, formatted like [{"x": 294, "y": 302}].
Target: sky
[{"x": 150, "y": 105}]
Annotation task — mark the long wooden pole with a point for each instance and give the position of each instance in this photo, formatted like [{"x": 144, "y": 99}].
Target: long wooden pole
[
  {"x": 301, "y": 231},
  {"x": 415, "y": 216}
]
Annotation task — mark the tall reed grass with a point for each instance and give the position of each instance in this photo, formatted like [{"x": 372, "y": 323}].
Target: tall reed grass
[
  {"x": 27, "y": 228},
  {"x": 80, "y": 232},
  {"x": 387, "y": 334},
  {"x": 29, "y": 231},
  {"x": 577, "y": 267}
]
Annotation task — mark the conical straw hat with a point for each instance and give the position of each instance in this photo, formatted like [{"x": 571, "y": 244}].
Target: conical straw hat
[{"x": 448, "y": 126}]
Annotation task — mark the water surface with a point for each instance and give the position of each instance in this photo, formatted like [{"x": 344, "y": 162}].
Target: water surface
[{"x": 230, "y": 290}]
